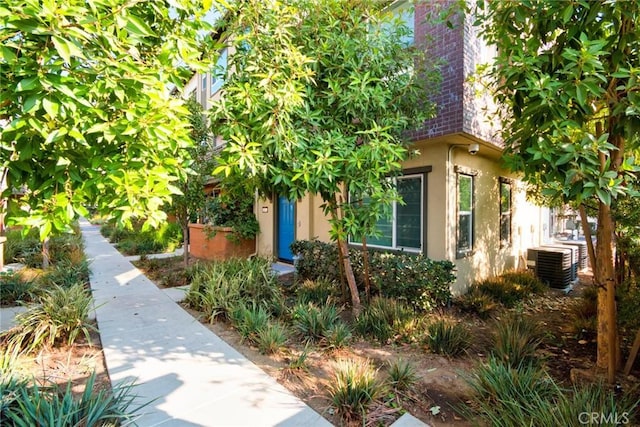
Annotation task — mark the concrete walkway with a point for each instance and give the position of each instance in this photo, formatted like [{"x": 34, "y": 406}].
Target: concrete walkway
[{"x": 195, "y": 378}]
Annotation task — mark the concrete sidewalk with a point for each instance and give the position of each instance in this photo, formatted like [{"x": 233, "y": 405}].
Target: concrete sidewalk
[{"x": 195, "y": 378}]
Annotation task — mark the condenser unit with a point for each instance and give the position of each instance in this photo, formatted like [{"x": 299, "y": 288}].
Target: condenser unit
[
  {"x": 552, "y": 265},
  {"x": 575, "y": 257},
  {"x": 583, "y": 262}
]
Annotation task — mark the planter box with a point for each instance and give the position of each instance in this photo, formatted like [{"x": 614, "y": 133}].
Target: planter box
[{"x": 218, "y": 247}]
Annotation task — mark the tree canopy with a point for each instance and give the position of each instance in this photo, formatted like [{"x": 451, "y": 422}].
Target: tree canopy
[
  {"x": 320, "y": 95},
  {"x": 87, "y": 116},
  {"x": 567, "y": 74}
]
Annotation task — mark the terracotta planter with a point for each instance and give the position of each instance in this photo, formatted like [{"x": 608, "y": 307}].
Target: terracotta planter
[{"x": 217, "y": 247}]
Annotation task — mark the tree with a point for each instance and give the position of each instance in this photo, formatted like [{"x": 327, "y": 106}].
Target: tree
[
  {"x": 186, "y": 206},
  {"x": 87, "y": 117},
  {"x": 321, "y": 95},
  {"x": 567, "y": 76}
]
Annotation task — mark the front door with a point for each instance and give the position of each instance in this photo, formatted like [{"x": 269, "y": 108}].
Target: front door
[{"x": 285, "y": 228}]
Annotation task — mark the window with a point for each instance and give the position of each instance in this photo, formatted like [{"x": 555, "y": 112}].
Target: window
[
  {"x": 203, "y": 91},
  {"x": 404, "y": 11},
  {"x": 404, "y": 227},
  {"x": 465, "y": 215},
  {"x": 505, "y": 212},
  {"x": 217, "y": 74}
]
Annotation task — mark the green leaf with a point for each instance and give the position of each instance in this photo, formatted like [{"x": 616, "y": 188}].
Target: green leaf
[
  {"x": 136, "y": 26},
  {"x": 28, "y": 83},
  {"x": 51, "y": 107}
]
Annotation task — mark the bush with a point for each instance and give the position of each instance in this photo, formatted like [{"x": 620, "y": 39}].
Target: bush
[
  {"x": 24, "y": 404},
  {"x": 27, "y": 249},
  {"x": 319, "y": 291},
  {"x": 526, "y": 280},
  {"x": 506, "y": 396},
  {"x": 415, "y": 279},
  {"x": 354, "y": 388},
  {"x": 451, "y": 339},
  {"x": 628, "y": 303},
  {"x": 313, "y": 322},
  {"x": 66, "y": 274},
  {"x": 249, "y": 320},
  {"x": 402, "y": 375},
  {"x": 474, "y": 301},
  {"x": 14, "y": 288},
  {"x": 338, "y": 335},
  {"x": 219, "y": 287},
  {"x": 516, "y": 340},
  {"x": 526, "y": 395},
  {"x": 134, "y": 241},
  {"x": 271, "y": 338},
  {"x": 60, "y": 316},
  {"x": 384, "y": 319}
]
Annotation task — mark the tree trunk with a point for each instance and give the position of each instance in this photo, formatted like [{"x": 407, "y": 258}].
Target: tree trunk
[
  {"x": 185, "y": 244},
  {"x": 608, "y": 351},
  {"x": 587, "y": 235},
  {"x": 343, "y": 253},
  {"x": 45, "y": 254}
]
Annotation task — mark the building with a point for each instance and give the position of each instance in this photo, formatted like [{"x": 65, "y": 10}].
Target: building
[{"x": 461, "y": 205}]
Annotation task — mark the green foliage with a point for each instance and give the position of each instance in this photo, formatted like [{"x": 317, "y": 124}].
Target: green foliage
[
  {"x": 502, "y": 291},
  {"x": 384, "y": 319},
  {"x": 14, "y": 288},
  {"x": 526, "y": 395},
  {"x": 25, "y": 247},
  {"x": 19, "y": 245},
  {"x": 402, "y": 375},
  {"x": 476, "y": 301},
  {"x": 525, "y": 280},
  {"x": 584, "y": 311},
  {"x": 60, "y": 316},
  {"x": 249, "y": 320},
  {"x": 219, "y": 287},
  {"x": 24, "y": 404},
  {"x": 628, "y": 303},
  {"x": 337, "y": 335},
  {"x": 136, "y": 241},
  {"x": 318, "y": 291},
  {"x": 313, "y": 322},
  {"x": 271, "y": 338},
  {"x": 234, "y": 209},
  {"x": 415, "y": 279},
  {"x": 516, "y": 340},
  {"x": 354, "y": 388},
  {"x": 89, "y": 118},
  {"x": 66, "y": 274},
  {"x": 451, "y": 339}
]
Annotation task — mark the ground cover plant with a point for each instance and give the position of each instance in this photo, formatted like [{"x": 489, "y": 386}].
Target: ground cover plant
[
  {"x": 536, "y": 332},
  {"x": 135, "y": 241}
]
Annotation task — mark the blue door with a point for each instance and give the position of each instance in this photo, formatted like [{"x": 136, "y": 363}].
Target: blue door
[{"x": 286, "y": 228}]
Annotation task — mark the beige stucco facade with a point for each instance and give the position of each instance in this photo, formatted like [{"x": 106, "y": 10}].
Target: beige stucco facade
[{"x": 443, "y": 156}]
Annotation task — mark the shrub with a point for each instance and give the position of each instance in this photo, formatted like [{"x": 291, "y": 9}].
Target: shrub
[
  {"x": 250, "y": 320},
  {"x": 526, "y": 280},
  {"x": 319, "y": 291},
  {"x": 354, "y": 388},
  {"x": 313, "y": 322},
  {"x": 134, "y": 241},
  {"x": 14, "y": 288},
  {"x": 584, "y": 311},
  {"x": 27, "y": 249},
  {"x": 628, "y": 303},
  {"x": 66, "y": 274},
  {"x": 337, "y": 335},
  {"x": 474, "y": 301},
  {"x": 402, "y": 375},
  {"x": 415, "y": 279},
  {"x": 525, "y": 395},
  {"x": 271, "y": 337},
  {"x": 507, "y": 396},
  {"x": 383, "y": 319},
  {"x": 24, "y": 404},
  {"x": 516, "y": 340},
  {"x": 60, "y": 316},
  {"x": 451, "y": 339},
  {"x": 502, "y": 291},
  {"x": 17, "y": 245},
  {"x": 219, "y": 287}
]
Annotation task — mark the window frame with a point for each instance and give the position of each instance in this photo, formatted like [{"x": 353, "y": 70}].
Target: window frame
[
  {"x": 407, "y": 174},
  {"x": 505, "y": 241},
  {"x": 465, "y": 251}
]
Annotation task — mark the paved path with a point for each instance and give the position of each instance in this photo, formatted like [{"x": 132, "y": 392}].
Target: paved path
[{"x": 196, "y": 378}]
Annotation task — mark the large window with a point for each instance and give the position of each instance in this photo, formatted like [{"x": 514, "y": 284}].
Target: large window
[
  {"x": 505, "y": 212},
  {"x": 403, "y": 228},
  {"x": 465, "y": 215}
]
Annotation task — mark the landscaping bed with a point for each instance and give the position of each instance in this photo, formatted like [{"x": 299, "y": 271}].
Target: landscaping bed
[{"x": 271, "y": 326}]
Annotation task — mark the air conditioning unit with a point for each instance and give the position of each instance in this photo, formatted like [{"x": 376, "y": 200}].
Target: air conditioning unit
[
  {"x": 552, "y": 265},
  {"x": 583, "y": 262},
  {"x": 575, "y": 257}
]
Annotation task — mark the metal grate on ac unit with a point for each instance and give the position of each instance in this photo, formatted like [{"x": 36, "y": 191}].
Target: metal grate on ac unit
[{"x": 553, "y": 265}]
